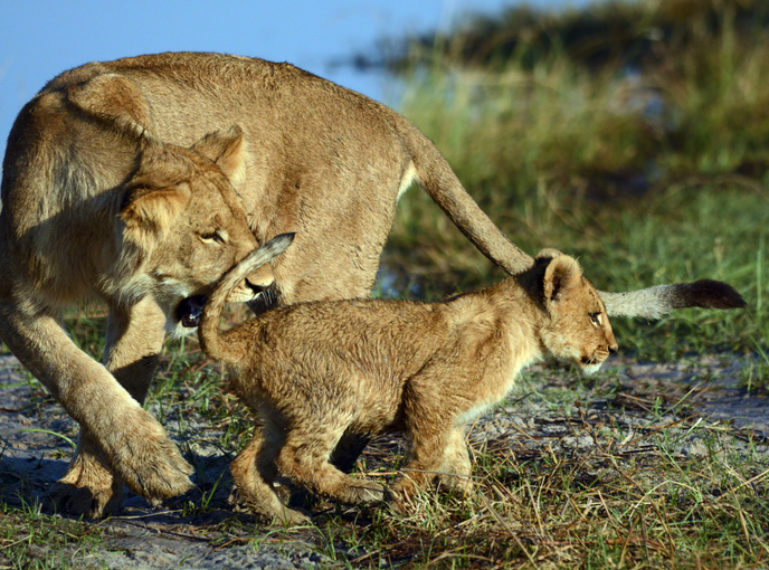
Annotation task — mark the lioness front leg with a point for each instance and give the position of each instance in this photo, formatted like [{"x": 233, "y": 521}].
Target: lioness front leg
[
  {"x": 133, "y": 344},
  {"x": 129, "y": 439}
]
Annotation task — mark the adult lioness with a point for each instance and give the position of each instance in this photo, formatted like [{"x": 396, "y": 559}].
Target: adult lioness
[
  {"x": 95, "y": 207},
  {"x": 322, "y": 161},
  {"x": 314, "y": 372}
]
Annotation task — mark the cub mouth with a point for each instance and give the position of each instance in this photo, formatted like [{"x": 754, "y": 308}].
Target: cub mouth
[{"x": 190, "y": 310}]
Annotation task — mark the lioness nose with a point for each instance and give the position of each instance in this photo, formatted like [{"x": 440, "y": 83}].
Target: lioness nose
[{"x": 613, "y": 349}]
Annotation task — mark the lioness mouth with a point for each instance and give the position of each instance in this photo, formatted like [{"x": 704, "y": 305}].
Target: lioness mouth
[{"x": 190, "y": 310}]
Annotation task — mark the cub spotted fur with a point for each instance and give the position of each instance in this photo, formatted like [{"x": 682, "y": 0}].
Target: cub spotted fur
[{"x": 317, "y": 372}]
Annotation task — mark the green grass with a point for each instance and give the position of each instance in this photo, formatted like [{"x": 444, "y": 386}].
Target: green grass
[
  {"x": 649, "y": 179},
  {"x": 32, "y": 540},
  {"x": 669, "y": 491},
  {"x": 631, "y": 477}
]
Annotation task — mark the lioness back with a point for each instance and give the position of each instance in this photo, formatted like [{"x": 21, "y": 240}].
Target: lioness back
[{"x": 309, "y": 138}]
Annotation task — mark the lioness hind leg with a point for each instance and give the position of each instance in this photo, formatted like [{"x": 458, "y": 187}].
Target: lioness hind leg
[
  {"x": 253, "y": 471},
  {"x": 304, "y": 458}
]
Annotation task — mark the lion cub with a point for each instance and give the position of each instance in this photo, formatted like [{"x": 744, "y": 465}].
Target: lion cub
[{"x": 315, "y": 372}]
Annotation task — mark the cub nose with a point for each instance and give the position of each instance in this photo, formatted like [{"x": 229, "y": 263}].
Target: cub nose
[{"x": 613, "y": 348}]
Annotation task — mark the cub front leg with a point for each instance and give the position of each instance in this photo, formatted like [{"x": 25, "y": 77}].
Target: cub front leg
[
  {"x": 117, "y": 433},
  {"x": 423, "y": 467},
  {"x": 456, "y": 467},
  {"x": 429, "y": 436}
]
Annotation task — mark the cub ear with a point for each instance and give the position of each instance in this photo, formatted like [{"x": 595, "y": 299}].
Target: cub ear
[
  {"x": 227, "y": 149},
  {"x": 548, "y": 253},
  {"x": 150, "y": 212},
  {"x": 561, "y": 274}
]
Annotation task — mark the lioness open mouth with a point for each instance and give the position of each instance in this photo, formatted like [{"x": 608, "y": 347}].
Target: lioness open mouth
[{"x": 190, "y": 310}]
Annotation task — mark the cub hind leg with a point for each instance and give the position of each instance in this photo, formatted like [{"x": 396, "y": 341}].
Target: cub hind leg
[
  {"x": 347, "y": 451},
  {"x": 304, "y": 458},
  {"x": 253, "y": 471}
]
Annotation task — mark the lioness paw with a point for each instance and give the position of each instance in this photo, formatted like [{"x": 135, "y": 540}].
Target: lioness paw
[
  {"x": 84, "y": 501},
  {"x": 150, "y": 463},
  {"x": 87, "y": 489}
]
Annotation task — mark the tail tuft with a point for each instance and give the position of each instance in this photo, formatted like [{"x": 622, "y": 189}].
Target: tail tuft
[{"x": 709, "y": 294}]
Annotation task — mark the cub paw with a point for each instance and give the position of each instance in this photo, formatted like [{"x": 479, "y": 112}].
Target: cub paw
[
  {"x": 363, "y": 492},
  {"x": 271, "y": 510}
]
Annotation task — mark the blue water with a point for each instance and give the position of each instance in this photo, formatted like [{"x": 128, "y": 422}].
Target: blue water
[{"x": 40, "y": 39}]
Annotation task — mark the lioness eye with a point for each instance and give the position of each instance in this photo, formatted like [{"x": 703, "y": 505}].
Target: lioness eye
[{"x": 595, "y": 318}]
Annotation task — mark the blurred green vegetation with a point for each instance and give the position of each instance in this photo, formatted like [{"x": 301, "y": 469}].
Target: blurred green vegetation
[{"x": 632, "y": 134}]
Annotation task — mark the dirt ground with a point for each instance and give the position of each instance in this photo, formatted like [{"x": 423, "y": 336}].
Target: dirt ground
[{"x": 33, "y": 454}]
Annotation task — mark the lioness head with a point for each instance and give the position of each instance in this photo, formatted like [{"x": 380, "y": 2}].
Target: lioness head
[
  {"x": 184, "y": 225},
  {"x": 577, "y": 328}
]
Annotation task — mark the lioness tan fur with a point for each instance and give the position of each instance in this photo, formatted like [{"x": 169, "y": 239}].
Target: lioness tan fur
[
  {"x": 314, "y": 372},
  {"x": 321, "y": 160},
  {"x": 139, "y": 223}
]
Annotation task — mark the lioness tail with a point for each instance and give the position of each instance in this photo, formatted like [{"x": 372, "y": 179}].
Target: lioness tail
[
  {"x": 654, "y": 302},
  {"x": 208, "y": 332}
]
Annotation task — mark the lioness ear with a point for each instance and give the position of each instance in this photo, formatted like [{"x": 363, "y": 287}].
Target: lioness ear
[
  {"x": 561, "y": 274},
  {"x": 151, "y": 212},
  {"x": 227, "y": 149}
]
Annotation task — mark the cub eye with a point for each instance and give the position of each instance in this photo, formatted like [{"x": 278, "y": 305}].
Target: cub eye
[
  {"x": 218, "y": 236},
  {"x": 595, "y": 318}
]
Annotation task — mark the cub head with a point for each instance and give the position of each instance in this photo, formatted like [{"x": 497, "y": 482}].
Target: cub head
[
  {"x": 183, "y": 223},
  {"x": 576, "y": 326}
]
